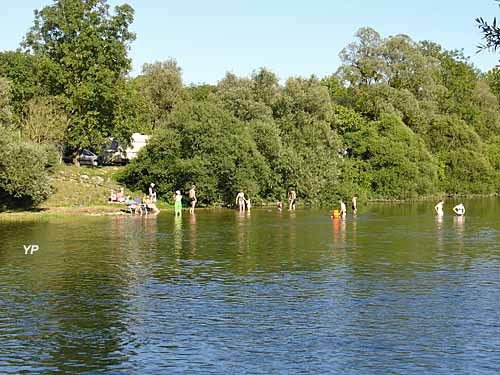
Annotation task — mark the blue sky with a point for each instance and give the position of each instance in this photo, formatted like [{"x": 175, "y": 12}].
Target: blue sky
[{"x": 291, "y": 38}]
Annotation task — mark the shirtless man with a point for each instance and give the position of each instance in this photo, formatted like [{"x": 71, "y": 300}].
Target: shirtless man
[
  {"x": 192, "y": 199},
  {"x": 439, "y": 208},
  {"x": 241, "y": 201},
  {"x": 292, "y": 198}
]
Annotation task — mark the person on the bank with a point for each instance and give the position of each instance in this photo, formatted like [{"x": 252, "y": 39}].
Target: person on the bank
[
  {"x": 178, "y": 203},
  {"x": 120, "y": 196},
  {"x": 152, "y": 193},
  {"x": 192, "y": 199},
  {"x": 292, "y": 198},
  {"x": 354, "y": 205},
  {"x": 150, "y": 205},
  {"x": 112, "y": 196},
  {"x": 459, "y": 209},
  {"x": 439, "y": 208},
  {"x": 241, "y": 201}
]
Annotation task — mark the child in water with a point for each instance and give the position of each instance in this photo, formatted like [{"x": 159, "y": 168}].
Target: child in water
[{"x": 178, "y": 203}]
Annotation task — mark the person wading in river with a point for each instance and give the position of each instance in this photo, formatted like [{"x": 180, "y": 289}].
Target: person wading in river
[
  {"x": 178, "y": 203},
  {"x": 292, "y": 198},
  {"x": 192, "y": 199},
  {"x": 439, "y": 208},
  {"x": 241, "y": 201}
]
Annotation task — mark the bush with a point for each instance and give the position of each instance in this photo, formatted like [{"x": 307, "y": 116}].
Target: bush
[
  {"x": 398, "y": 163},
  {"x": 203, "y": 144},
  {"x": 24, "y": 171}
]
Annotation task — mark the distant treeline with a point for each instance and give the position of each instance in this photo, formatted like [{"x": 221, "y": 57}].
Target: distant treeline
[{"x": 398, "y": 119}]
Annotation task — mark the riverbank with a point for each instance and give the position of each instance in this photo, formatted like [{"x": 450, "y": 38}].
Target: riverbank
[
  {"x": 77, "y": 191},
  {"x": 84, "y": 191}
]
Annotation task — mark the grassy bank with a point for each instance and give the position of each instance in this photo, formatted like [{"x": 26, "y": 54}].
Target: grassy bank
[
  {"x": 82, "y": 186},
  {"x": 78, "y": 191}
]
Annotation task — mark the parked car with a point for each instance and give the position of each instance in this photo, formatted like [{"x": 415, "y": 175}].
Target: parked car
[
  {"x": 113, "y": 154},
  {"x": 87, "y": 157},
  {"x": 116, "y": 154}
]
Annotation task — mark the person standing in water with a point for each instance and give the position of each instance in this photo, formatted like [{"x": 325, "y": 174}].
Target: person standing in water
[
  {"x": 459, "y": 209},
  {"x": 192, "y": 199},
  {"x": 343, "y": 209},
  {"x": 292, "y": 198},
  {"x": 439, "y": 208},
  {"x": 241, "y": 201},
  {"x": 354, "y": 205},
  {"x": 178, "y": 203}
]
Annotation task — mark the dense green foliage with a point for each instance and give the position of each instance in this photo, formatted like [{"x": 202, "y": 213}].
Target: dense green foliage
[
  {"x": 85, "y": 48},
  {"x": 246, "y": 134},
  {"x": 24, "y": 171},
  {"x": 398, "y": 119}
]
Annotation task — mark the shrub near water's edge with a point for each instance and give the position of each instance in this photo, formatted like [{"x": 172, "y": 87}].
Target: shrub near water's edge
[{"x": 24, "y": 172}]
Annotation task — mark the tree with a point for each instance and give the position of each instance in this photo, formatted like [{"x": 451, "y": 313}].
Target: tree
[
  {"x": 5, "y": 110},
  {"x": 87, "y": 48},
  {"x": 309, "y": 160},
  {"x": 161, "y": 87},
  {"x": 45, "y": 121},
  {"x": 487, "y": 119},
  {"x": 493, "y": 79},
  {"x": 491, "y": 33},
  {"x": 266, "y": 86},
  {"x": 363, "y": 63},
  {"x": 240, "y": 96},
  {"x": 202, "y": 143},
  {"x": 397, "y": 160},
  {"x": 408, "y": 68},
  {"x": 28, "y": 75}
]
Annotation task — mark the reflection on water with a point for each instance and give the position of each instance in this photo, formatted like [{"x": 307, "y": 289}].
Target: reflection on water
[
  {"x": 178, "y": 235},
  {"x": 339, "y": 232},
  {"x": 439, "y": 232},
  {"x": 393, "y": 290},
  {"x": 459, "y": 223},
  {"x": 192, "y": 235}
]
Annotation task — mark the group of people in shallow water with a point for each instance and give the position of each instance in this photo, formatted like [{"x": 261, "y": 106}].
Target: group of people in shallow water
[
  {"x": 148, "y": 202},
  {"x": 459, "y": 209},
  {"x": 342, "y": 213},
  {"x": 177, "y": 197},
  {"x": 292, "y": 201},
  {"x": 244, "y": 203}
]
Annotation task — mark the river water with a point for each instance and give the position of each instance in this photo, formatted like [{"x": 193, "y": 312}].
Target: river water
[{"x": 392, "y": 291}]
